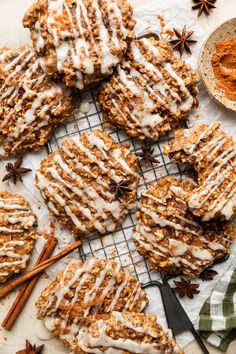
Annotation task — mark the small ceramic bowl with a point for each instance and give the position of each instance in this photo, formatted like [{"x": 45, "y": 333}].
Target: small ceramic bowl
[{"x": 226, "y": 31}]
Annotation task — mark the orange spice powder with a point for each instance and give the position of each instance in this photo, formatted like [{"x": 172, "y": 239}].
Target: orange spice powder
[{"x": 224, "y": 66}]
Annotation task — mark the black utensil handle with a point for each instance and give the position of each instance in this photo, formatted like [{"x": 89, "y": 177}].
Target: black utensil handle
[
  {"x": 192, "y": 328},
  {"x": 199, "y": 340},
  {"x": 176, "y": 316}
]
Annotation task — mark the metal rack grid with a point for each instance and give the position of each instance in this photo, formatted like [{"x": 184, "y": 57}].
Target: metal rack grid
[{"x": 119, "y": 244}]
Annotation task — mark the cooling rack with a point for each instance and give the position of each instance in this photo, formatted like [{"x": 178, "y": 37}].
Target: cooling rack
[{"x": 118, "y": 245}]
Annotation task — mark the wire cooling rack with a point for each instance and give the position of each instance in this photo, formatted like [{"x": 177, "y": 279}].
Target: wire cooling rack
[{"x": 118, "y": 245}]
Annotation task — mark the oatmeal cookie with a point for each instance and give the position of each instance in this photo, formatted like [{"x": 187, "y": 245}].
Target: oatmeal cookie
[
  {"x": 68, "y": 305},
  {"x": 17, "y": 234},
  {"x": 82, "y": 40},
  {"x": 151, "y": 92},
  {"x": 213, "y": 155},
  {"x": 31, "y": 104},
  {"x": 126, "y": 332},
  {"x": 89, "y": 184},
  {"x": 171, "y": 237}
]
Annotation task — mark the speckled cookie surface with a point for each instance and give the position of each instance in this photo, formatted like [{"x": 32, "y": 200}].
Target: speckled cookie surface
[
  {"x": 213, "y": 154},
  {"x": 80, "y": 292},
  {"x": 17, "y": 234},
  {"x": 31, "y": 104},
  {"x": 151, "y": 92},
  {"x": 127, "y": 332},
  {"x": 78, "y": 183},
  {"x": 81, "y": 39},
  {"x": 171, "y": 237}
]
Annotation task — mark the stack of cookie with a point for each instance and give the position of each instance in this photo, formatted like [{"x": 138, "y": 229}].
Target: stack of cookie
[
  {"x": 96, "y": 307},
  {"x": 183, "y": 226},
  {"x": 171, "y": 236}
]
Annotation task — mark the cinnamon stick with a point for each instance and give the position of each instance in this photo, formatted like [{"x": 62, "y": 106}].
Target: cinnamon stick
[
  {"x": 26, "y": 291},
  {"x": 38, "y": 269}
]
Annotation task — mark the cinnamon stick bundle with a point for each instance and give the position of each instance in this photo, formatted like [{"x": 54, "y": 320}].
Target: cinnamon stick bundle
[{"x": 26, "y": 291}]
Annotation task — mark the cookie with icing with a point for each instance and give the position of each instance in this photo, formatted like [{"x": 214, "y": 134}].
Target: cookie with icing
[
  {"x": 171, "y": 237},
  {"x": 82, "y": 291},
  {"x": 127, "y": 332},
  {"x": 212, "y": 153},
  {"x": 81, "y": 183},
  {"x": 151, "y": 92},
  {"x": 17, "y": 234},
  {"x": 31, "y": 104},
  {"x": 82, "y": 40}
]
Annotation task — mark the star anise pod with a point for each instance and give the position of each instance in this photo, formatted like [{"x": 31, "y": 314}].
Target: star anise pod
[
  {"x": 15, "y": 171},
  {"x": 204, "y": 6},
  {"x": 207, "y": 274},
  {"x": 185, "y": 288},
  {"x": 147, "y": 155},
  {"x": 120, "y": 188},
  {"x": 31, "y": 349},
  {"x": 183, "y": 41}
]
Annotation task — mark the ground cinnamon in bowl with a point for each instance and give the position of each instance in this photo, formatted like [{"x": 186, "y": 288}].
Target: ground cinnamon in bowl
[{"x": 223, "y": 62}]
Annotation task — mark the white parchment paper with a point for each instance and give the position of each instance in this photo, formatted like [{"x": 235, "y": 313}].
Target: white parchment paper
[{"x": 176, "y": 13}]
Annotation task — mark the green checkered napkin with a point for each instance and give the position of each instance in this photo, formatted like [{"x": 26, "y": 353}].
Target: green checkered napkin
[{"x": 217, "y": 317}]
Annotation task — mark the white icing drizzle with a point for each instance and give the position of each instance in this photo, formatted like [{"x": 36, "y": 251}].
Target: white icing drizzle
[
  {"x": 145, "y": 117},
  {"x": 204, "y": 135},
  {"x": 179, "y": 248},
  {"x": 129, "y": 113},
  {"x": 218, "y": 171},
  {"x": 15, "y": 220},
  {"x": 79, "y": 278},
  {"x": 203, "y": 255},
  {"x": 120, "y": 318},
  {"x": 118, "y": 293},
  {"x": 226, "y": 206},
  {"x": 92, "y": 344},
  {"x": 19, "y": 221},
  {"x": 92, "y": 293},
  {"x": 175, "y": 250},
  {"x": 164, "y": 222},
  {"x": 29, "y": 219},
  {"x": 11, "y": 231},
  {"x": 12, "y": 206},
  {"x": 7, "y": 250},
  {"x": 178, "y": 191},
  {"x": 49, "y": 323},
  {"x": 95, "y": 203},
  {"x": 25, "y": 66},
  {"x": 134, "y": 296},
  {"x": 82, "y": 45},
  {"x": 151, "y": 196},
  {"x": 41, "y": 332}
]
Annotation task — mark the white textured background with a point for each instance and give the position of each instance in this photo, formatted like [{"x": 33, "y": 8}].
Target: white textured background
[{"x": 177, "y": 13}]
